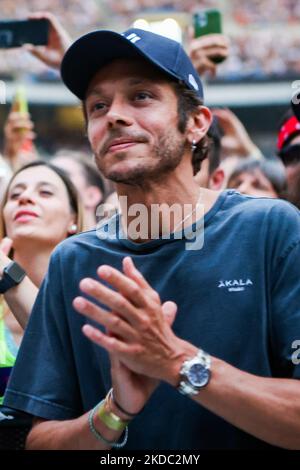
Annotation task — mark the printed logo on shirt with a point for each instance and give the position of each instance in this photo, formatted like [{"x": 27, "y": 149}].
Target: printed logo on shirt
[{"x": 235, "y": 285}]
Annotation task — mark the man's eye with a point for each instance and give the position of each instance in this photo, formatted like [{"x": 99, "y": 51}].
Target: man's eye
[
  {"x": 142, "y": 95},
  {"x": 97, "y": 107}
]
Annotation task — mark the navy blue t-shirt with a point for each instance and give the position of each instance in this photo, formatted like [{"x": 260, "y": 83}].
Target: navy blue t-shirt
[{"x": 238, "y": 298}]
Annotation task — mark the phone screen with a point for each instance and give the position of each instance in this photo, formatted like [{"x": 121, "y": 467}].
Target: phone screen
[
  {"x": 208, "y": 22},
  {"x": 18, "y": 32}
]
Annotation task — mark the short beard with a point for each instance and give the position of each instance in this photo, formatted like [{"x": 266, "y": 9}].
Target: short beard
[{"x": 167, "y": 155}]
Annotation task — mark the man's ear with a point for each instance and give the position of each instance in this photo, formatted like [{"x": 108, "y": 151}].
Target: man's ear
[
  {"x": 198, "y": 124},
  {"x": 92, "y": 197},
  {"x": 216, "y": 179}
]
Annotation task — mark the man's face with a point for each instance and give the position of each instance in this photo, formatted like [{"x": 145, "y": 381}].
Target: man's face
[{"x": 132, "y": 122}]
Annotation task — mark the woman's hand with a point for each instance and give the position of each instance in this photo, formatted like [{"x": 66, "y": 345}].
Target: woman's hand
[{"x": 5, "y": 247}]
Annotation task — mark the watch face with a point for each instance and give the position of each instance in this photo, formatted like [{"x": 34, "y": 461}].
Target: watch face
[
  {"x": 198, "y": 375},
  {"x": 15, "y": 272}
]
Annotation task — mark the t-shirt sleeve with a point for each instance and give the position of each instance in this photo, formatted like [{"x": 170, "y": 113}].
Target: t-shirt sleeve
[
  {"x": 43, "y": 382},
  {"x": 285, "y": 294}
]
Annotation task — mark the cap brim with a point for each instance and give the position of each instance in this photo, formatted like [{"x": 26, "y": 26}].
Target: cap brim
[{"x": 91, "y": 52}]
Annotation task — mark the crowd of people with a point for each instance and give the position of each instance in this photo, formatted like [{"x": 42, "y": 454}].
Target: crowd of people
[
  {"x": 265, "y": 11},
  {"x": 261, "y": 55},
  {"x": 152, "y": 141},
  {"x": 77, "y": 16},
  {"x": 256, "y": 53}
]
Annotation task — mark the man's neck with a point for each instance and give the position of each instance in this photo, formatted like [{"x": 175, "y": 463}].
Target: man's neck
[{"x": 181, "y": 202}]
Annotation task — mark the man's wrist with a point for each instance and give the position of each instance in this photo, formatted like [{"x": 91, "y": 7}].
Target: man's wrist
[
  {"x": 113, "y": 408},
  {"x": 184, "y": 351}
]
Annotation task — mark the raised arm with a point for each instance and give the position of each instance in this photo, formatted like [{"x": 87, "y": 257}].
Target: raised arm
[
  {"x": 20, "y": 298},
  {"x": 58, "y": 42}
]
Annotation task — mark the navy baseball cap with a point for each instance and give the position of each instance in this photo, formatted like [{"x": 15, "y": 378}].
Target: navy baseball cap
[{"x": 91, "y": 52}]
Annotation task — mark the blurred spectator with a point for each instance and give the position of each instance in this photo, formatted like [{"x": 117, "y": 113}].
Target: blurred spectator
[
  {"x": 76, "y": 16},
  {"x": 265, "y": 11},
  {"x": 236, "y": 140},
  {"x": 40, "y": 209},
  {"x": 202, "y": 50},
  {"x": 263, "y": 178},
  {"x": 86, "y": 178},
  {"x": 18, "y": 140},
  {"x": 131, "y": 7},
  {"x": 58, "y": 41},
  {"x": 5, "y": 175},
  {"x": 288, "y": 146}
]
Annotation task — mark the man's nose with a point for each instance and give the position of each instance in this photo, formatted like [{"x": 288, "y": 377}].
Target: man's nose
[{"x": 119, "y": 114}]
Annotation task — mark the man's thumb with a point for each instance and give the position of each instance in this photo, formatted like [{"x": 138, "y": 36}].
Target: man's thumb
[{"x": 169, "y": 309}]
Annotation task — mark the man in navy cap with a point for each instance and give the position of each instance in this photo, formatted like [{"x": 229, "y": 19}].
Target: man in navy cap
[{"x": 141, "y": 336}]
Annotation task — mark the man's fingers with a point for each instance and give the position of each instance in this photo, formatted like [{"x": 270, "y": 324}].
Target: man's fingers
[
  {"x": 131, "y": 271},
  {"x": 110, "y": 343},
  {"x": 38, "y": 51},
  {"x": 123, "y": 284},
  {"x": 108, "y": 319},
  {"x": 169, "y": 310},
  {"x": 113, "y": 300},
  {"x": 211, "y": 40}
]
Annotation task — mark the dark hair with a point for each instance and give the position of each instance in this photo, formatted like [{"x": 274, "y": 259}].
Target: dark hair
[
  {"x": 214, "y": 153},
  {"x": 71, "y": 191},
  {"x": 92, "y": 175},
  {"x": 188, "y": 103},
  {"x": 272, "y": 169}
]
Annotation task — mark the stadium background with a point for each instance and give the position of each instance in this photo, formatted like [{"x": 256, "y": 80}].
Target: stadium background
[{"x": 255, "y": 82}]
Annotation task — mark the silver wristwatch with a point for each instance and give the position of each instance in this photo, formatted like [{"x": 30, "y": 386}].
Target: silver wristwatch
[{"x": 195, "y": 374}]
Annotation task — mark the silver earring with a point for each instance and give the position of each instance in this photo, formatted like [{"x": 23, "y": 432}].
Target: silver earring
[{"x": 194, "y": 145}]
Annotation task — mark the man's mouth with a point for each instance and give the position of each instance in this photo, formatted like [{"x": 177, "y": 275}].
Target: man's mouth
[{"x": 121, "y": 145}]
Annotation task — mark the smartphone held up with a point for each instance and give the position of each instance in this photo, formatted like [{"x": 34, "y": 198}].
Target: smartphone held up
[
  {"x": 208, "y": 22},
  {"x": 15, "y": 33}
]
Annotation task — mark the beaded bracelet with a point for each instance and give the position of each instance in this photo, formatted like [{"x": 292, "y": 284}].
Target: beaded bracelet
[{"x": 98, "y": 436}]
